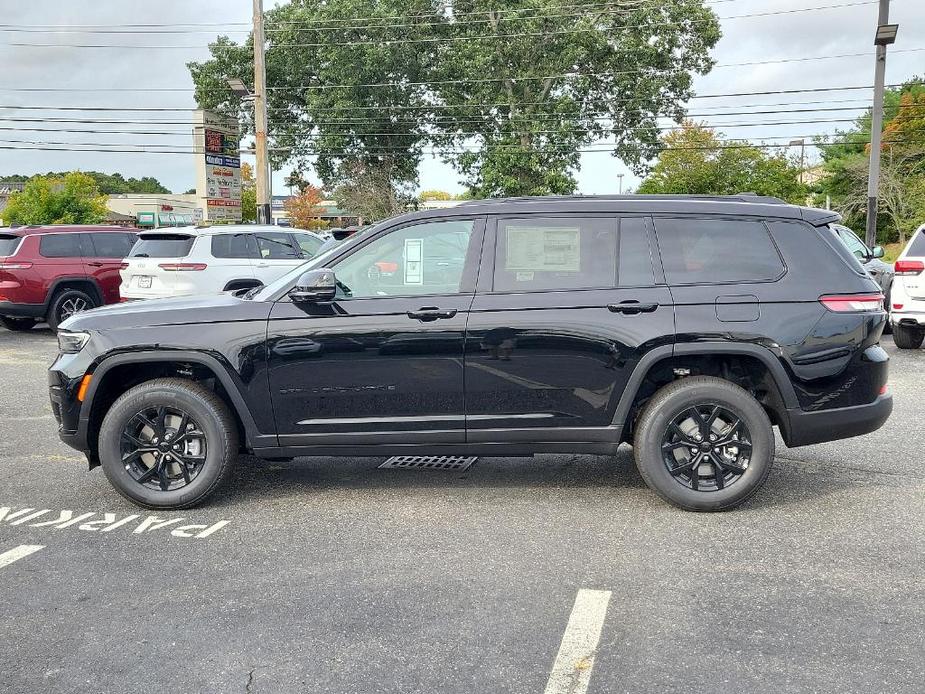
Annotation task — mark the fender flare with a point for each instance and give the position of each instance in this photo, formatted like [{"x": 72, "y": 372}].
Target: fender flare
[
  {"x": 775, "y": 367},
  {"x": 81, "y": 279},
  {"x": 253, "y": 437}
]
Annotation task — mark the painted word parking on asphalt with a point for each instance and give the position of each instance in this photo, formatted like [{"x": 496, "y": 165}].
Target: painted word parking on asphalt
[{"x": 105, "y": 522}]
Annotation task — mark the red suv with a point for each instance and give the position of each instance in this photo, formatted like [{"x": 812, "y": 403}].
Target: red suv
[{"x": 50, "y": 273}]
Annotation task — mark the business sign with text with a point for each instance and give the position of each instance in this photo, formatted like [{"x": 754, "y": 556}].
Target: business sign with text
[{"x": 218, "y": 180}]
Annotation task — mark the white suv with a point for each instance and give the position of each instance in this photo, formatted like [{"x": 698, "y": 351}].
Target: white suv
[
  {"x": 193, "y": 260},
  {"x": 907, "y": 309}
]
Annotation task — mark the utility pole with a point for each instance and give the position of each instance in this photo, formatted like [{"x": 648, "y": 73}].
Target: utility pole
[
  {"x": 886, "y": 34},
  {"x": 260, "y": 118},
  {"x": 620, "y": 179}
]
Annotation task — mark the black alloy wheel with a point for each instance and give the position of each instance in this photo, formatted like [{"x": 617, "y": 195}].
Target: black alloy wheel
[
  {"x": 163, "y": 448},
  {"x": 706, "y": 448}
]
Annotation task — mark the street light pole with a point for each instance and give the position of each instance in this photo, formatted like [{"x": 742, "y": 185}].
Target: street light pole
[
  {"x": 620, "y": 179},
  {"x": 886, "y": 34},
  {"x": 260, "y": 118}
]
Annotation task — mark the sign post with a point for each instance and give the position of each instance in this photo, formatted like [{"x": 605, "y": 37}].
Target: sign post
[{"x": 216, "y": 140}]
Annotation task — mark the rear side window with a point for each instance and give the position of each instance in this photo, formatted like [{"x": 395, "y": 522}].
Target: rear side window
[
  {"x": 162, "y": 246},
  {"x": 716, "y": 250},
  {"x": 8, "y": 244},
  {"x": 547, "y": 253},
  {"x": 59, "y": 246},
  {"x": 111, "y": 245},
  {"x": 276, "y": 246},
  {"x": 917, "y": 247},
  {"x": 234, "y": 246}
]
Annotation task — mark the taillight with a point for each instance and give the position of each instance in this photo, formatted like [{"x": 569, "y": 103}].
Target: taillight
[
  {"x": 847, "y": 303},
  {"x": 14, "y": 265},
  {"x": 898, "y": 307},
  {"x": 909, "y": 267},
  {"x": 123, "y": 266},
  {"x": 182, "y": 267}
]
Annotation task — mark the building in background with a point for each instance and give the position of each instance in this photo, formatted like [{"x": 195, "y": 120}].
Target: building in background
[{"x": 156, "y": 210}]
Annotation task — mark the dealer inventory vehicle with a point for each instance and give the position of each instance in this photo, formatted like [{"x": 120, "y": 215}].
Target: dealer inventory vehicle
[
  {"x": 907, "y": 309},
  {"x": 52, "y": 272},
  {"x": 686, "y": 326},
  {"x": 186, "y": 261}
]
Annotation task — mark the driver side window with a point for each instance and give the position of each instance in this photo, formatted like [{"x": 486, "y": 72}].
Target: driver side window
[{"x": 426, "y": 258}]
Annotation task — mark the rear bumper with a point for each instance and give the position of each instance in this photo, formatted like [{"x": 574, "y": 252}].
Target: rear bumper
[
  {"x": 8, "y": 308},
  {"x": 801, "y": 428}
]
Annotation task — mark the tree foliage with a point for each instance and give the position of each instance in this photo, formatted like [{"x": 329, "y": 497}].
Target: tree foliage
[
  {"x": 697, "y": 160},
  {"x": 304, "y": 210},
  {"x": 509, "y": 96},
  {"x": 108, "y": 184},
  {"x": 248, "y": 194},
  {"x": 70, "y": 199},
  {"x": 901, "y": 199}
]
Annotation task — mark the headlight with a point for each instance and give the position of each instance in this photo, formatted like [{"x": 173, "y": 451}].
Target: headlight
[{"x": 72, "y": 342}]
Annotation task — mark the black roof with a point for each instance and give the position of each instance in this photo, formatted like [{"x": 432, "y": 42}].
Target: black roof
[{"x": 744, "y": 204}]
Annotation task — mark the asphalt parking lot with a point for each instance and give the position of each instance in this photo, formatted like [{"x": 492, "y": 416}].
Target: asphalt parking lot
[{"x": 330, "y": 575}]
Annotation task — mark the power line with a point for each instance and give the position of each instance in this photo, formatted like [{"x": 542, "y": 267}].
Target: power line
[{"x": 492, "y": 37}]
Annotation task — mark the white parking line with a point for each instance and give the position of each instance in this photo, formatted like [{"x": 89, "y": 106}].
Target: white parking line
[
  {"x": 18, "y": 553},
  {"x": 571, "y": 673}
]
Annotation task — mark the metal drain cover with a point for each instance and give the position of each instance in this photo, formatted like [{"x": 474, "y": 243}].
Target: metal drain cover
[{"x": 456, "y": 463}]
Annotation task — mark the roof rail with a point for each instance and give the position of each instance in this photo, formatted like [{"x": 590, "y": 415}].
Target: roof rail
[{"x": 739, "y": 197}]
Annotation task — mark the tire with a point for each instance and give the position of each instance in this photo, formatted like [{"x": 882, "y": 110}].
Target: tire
[
  {"x": 888, "y": 328},
  {"x": 208, "y": 415},
  {"x": 675, "y": 403},
  {"x": 66, "y": 303},
  {"x": 907, "y": 337},
  {"x": 18, "y": 325}
]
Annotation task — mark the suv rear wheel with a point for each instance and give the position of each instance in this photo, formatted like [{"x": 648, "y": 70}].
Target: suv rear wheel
[
  {"x": 17, "y": 324},
  {"x": 66, "y": 303},
  {"x": 168, "y": 443},
  {"x": 704, "y": 444},
  {"x": 908, "y": 337}
]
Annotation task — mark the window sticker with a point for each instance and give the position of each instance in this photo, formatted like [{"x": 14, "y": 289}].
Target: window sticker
[
  {"x": 543, "y": 249},
  {"x": 414, "y": 261}
]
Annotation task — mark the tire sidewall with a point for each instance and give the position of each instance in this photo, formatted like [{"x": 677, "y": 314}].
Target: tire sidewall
[
  {"x": 650, "y": 439},
  {"x": 54, "y": 320},
  {"x": 111, "y": 455}
]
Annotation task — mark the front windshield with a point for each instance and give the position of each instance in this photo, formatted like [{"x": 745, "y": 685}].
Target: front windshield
[{"x": 288, "y": 280}]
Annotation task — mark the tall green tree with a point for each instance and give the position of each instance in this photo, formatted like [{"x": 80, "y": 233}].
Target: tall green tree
[
  {"x": 697, "y": 160},
  {"x": 535, "y": 81},
  {"x": 71, "y": 199}
]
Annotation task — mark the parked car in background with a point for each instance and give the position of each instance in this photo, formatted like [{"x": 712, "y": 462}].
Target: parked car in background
[
  {"x": 689, "y": 327},
  {"x": 203, "y": 260},
  {"x": 52, "y": 272},
  {"x": 907, "y": 308},
  {"x": 870, "y": 259}
]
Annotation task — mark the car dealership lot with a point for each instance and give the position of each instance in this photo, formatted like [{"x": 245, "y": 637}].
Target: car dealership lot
[{"x": 331, "y": 575}]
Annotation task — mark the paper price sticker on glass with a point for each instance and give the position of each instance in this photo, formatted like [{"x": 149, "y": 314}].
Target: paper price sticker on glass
[{"x": 543, "y": 249}]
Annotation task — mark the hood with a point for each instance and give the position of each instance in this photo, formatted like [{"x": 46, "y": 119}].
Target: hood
[{"x": 191, "y": 311}]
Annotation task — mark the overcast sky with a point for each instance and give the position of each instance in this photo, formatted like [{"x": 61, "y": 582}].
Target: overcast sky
[{"x": 132, "y": 77}]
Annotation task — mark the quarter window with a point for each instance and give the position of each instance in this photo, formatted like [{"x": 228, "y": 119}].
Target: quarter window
[
  {"x": 635, "y": 258},
  {"x": 60, "y": 246},
  {"x": 716, "y": 250},
  {"x": 424, "y": 258},
  {"x": 546, "y": 253}
]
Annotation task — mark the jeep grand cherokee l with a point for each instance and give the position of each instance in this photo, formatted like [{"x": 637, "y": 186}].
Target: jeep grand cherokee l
[{"x": 687, "y": 327}]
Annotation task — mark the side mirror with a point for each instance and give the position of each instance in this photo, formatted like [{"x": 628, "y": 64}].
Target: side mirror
[
  {"x": 877, "y": 252},
  {"x": 314, "y": 287}
]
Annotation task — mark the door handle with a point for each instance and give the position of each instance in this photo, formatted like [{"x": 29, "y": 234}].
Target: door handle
[
  {"x": 431, "y": 313},
  {"x": 95, "y": 264},
  {"x": 632, "y": 307}
]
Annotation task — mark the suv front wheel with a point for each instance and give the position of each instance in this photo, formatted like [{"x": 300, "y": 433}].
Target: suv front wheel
[
  {"x": 704, "y": 444},
  {"x": 168, "y": 443}
]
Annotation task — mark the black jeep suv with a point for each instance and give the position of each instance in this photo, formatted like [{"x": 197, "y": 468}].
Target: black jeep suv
[{"x": 685, "y": 326}]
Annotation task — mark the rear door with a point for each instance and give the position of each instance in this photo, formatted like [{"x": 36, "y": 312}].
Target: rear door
[
  {"x": 566, "y": 307},
  {"x": 60, "y": 257},
  {"x": 103, "y": 254},
  {"x": 277, "y": 254},
  {"x": 233, "y": 259}
]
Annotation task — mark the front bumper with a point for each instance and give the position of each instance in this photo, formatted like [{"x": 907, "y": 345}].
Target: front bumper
[{"x": 801, "y": 427}]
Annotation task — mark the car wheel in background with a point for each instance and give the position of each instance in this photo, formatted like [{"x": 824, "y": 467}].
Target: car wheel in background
[
  {"x": 17, "y": 324},
  {"x": 704, "y": 444},
  {"x": 168, "y": 443},
  {"x": 66, "y": 303},
  {"x": 908, "y": 337}
]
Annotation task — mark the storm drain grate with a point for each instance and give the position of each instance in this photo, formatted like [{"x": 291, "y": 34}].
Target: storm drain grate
[{"x": 430, "y": 462}]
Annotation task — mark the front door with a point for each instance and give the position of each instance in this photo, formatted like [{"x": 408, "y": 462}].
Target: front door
[
  {"x": 566, "y": 307},
  {"x": 384, "y": 362}
]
